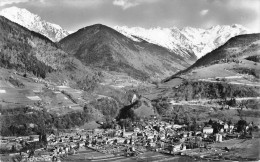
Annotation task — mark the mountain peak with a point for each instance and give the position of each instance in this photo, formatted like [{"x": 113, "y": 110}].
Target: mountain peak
[
  {"x": 19, "y": 15},
  {"x": 34, "y": 22},
  {"x": 103, "y": 47},
  {"x": 97, "y": 26}
]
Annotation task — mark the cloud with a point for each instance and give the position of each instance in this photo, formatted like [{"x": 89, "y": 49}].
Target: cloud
[
  {"x": 204, "y": 12},
  {"x": 81, "y": 3},
  {"x": 8, "y": 2},
  {"x": 244, "y": 12},
  {"x": 125, "y": 4}
]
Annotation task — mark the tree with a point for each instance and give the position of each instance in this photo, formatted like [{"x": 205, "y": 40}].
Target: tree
[
  {"x": 210, "y": 122},
  {"x": 216, "y": 127},
  {"x": 187, "y": 121},
  {"x": 241, "y": 125},
  {"x": 232, "y": 102},
  {"x": 229, "y": 122},
  {"x": 194, "y": 126},
  {"x": 176, "y": 119}
]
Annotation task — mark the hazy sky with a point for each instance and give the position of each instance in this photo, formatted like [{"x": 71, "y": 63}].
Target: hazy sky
[{"x": 75, "y": 14}]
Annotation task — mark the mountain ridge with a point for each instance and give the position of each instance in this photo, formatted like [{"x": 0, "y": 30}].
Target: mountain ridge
[{"x": 188, "y": 39}]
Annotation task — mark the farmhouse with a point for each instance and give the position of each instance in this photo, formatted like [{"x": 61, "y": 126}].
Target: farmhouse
[{"x": 207, "y": 130}]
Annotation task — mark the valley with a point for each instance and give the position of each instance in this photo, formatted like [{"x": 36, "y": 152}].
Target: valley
[{"x": 127, "y": 94}]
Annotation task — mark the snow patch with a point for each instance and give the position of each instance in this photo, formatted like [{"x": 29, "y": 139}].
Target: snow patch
[
  {"x": 2, "y": 91},
  {"x": 62, "y": 86},
  {"x": 34, "y": 98}
]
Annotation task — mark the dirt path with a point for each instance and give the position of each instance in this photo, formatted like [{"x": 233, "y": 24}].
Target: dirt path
[{"x": 237, "y": 83}]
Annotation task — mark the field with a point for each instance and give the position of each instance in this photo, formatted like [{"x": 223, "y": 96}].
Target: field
[
  {"x": 242, "y": 148},
  {"x": 94, "y": 156},
  {"x": 15, "y": 96}
]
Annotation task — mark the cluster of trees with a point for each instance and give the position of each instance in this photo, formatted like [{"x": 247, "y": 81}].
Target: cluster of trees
[
  {"x": 15, "y": 82},
  {"x": 16, "y": 58},
  {"x": 126, "y": 123},
  {"x": 249, "y": 71},
  {"x": 17, "y": 52},
  {"x": 232, "y": 102},
  {"x": 161, "y": 106},
  {"x": 253, "y": 104},
  {"x": 18, "y": 123},
  {"x": 71, "y": 97},
  {"x": 88, "y": 83},
  {"x": 127, "y": 112},
  {"x": 107, "y": 106},
  {"x": 9, "y": 110},
  {"x": 255, "y": 58},
  {"x": 190, "y": 90}
]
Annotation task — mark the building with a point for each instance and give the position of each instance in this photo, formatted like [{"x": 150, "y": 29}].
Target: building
[
  {"x": 226, "y": 126},
  {"x": 218, "y": 137},
  {"x": 207, "y": 130},
  {"x": 231, "y": 127},
  {"x": 137, "y": 129},
  {"x": 176, "y": 126},
  {"x": 127, "y": 134}
]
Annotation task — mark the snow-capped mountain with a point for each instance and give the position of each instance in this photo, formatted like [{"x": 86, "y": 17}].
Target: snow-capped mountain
[
  {"x": 34, "y": 22},
  {"x": 170, "y": 38},
  {"x": 186, "y": 40}
]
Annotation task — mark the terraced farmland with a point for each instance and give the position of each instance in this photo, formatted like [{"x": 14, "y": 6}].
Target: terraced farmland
[
  {"x": 36, "y": 93},
  {"x": 13, "y": 96}
]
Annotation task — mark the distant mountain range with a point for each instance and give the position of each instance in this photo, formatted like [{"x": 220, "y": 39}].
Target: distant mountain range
[
  {"x": 35, "y": 23},
  {"x": 186, "y": 40},
  {"x": 183, "y": 42}
]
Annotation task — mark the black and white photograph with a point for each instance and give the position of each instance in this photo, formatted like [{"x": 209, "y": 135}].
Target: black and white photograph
[{"x": 129, "y": 80}]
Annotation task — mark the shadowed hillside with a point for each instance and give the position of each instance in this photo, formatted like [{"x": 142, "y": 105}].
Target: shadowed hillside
[{"x": 30, "y": 52}]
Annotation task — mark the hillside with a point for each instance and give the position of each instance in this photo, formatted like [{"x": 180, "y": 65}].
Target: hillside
[
  {"x": 24, "y": 50},
  {"x": 103, "y": 47},
  {"x": 224, "y": 85},
  {"x": 229, "y": 57},
  {"x": 34, "y": 22}
]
